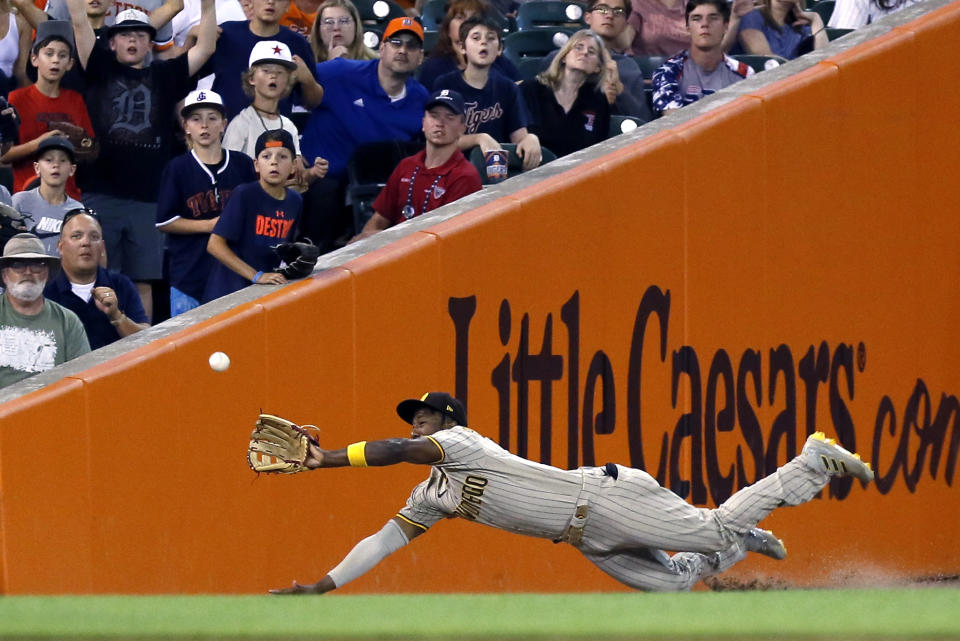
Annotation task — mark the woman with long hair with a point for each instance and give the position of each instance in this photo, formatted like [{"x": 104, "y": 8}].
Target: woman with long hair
[
  {"x": 570, "y": 102},
  {"x": 781, "y": 28},
  {"x": 447, "y": 55},
  {"x": 338, "y": 32}
]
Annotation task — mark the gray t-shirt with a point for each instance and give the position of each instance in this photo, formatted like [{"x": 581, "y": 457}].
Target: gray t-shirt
[
  {"x": 698, "y": 82},
  {"x": 33, "y": 344},
  {"x": 47, "y": 219}
]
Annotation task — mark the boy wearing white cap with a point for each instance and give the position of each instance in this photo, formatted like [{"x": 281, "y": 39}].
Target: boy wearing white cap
[
  {"x": 131, "y": 102},
  {"x": 236, "y": 41},
  {"x": 268, "y": 80},
  {"x": 194, "y": 190}
]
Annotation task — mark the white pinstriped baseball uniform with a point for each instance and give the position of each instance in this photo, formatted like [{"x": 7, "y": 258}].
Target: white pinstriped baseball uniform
[{"x": 629, "y": 519}]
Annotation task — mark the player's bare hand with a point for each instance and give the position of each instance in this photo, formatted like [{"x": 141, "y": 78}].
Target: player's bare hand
[
  {"x": 314, "y": 457},
  {"x": 271, "y": 278},
  {"x": 323, "y": 585}
]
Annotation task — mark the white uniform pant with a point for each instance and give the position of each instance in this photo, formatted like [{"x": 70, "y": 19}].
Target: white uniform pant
[{"x": 632, "y": 519}]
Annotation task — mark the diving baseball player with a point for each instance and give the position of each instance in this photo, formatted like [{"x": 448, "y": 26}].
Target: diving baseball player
[{"x": 620, "y": 518}]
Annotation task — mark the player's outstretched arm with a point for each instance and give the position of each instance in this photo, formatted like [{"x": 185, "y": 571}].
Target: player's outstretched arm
[
  {"x": 364, "y": 556},
  {"x": 422, "y": 451}
]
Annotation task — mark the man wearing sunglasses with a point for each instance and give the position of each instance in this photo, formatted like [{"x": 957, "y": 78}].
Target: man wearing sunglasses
[
  {"x": 35, "y": 334},
  {"x": 364, "y": 101}
]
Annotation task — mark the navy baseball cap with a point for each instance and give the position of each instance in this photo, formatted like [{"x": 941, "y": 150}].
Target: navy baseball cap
[
  {"x": 449, "y": 98},
  {"x": 275, "y": 138},
  {"x": 439, "y": 401},
  {"x": 57, "y": 142},
  {"x": 48, "y": 30}
]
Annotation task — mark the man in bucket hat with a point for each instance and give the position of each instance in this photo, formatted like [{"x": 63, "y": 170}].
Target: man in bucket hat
[{"x": 35, "y": 334}]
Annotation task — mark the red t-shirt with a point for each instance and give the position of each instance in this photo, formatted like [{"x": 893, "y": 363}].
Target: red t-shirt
[
  {"x": 432, "y": 188},
  {"x": 36, "y": 110}
]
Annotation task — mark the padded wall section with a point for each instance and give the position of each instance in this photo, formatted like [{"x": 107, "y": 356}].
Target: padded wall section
[{"x": 694, "y": 303}]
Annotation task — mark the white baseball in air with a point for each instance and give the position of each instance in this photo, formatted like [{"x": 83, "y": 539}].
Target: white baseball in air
[
  {"x": 219, "y": 361},
  {"x": 574, "y": 11},
  {"x": 560, "y": 39},
  {"x": 381, "y": 9}
]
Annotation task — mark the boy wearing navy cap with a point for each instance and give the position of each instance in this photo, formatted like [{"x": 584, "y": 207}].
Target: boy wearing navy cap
[
  {"x": 47, "y": 204},
  {"x": 259, "y": 216},
  {"x": 438, "y": 175}
]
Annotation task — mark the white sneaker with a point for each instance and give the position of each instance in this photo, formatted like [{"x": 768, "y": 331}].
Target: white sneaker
[{"x": 824, "y": 454}]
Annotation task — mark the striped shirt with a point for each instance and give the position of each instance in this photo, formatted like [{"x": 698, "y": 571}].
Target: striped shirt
[{"x": 480, "y": 481}]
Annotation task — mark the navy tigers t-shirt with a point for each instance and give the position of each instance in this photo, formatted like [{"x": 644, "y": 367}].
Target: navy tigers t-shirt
[
  {"x": 252, "y": 223},
  {"x": 497, "y": 109}
]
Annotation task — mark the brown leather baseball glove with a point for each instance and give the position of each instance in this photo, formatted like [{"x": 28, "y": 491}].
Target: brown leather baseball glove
[
  {"x": 85, "y": 146},
  {"x": 279, "y": 446}
]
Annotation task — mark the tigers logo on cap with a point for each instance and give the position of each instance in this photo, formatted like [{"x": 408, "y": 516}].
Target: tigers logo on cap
[{"x": 403, "y": 24}]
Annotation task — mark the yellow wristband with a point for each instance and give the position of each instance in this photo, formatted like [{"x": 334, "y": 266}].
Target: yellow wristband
[{"x": 356, "y": 454}]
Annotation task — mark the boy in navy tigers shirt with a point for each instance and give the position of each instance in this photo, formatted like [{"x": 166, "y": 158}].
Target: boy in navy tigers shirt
[
  {"x": 496, "y": 112},
  {"x": 259, "y": 216},
  {"x": 193, "y": 192}
]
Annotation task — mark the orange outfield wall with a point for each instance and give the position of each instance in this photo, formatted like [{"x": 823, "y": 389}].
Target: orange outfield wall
[{"x": 694, "y": 303}]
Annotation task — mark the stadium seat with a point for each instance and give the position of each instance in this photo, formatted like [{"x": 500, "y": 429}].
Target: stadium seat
[
  {"x": 379, "y": 11},
  {"x": 432, "y": 13},
  {"x": 648, "y": 64},
  {"x": 530, "y": 66},
  {"x": 825, "y": 9},
  {"x": 535, "y": 43},
  {"x": 514, "y": 162},
  {"x": 430, "y": 38},
  {"x": 372, "y": 35},
  {"x": 368, "y": 171},
  {"x": 760, "y": 63},
  {"x": 622, "y": 124},
  {"x": 539, "y": 14}
]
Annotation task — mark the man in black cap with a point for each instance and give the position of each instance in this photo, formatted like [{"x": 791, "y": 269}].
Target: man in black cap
[
  {"x": 438, "y": 175},
  {"x": 618, "y": 517},
  {"x": 35, "y": 334}
]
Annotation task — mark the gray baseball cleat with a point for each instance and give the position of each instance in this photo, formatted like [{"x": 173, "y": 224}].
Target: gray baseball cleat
[
  {"x": 824, "y": 454},
  {"x": 765, "y": 542}
]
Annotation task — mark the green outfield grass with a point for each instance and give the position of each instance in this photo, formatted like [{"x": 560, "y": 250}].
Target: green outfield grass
[{"x": 922, "y": 613}]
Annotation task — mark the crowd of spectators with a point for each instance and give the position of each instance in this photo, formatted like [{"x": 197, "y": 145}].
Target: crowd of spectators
[{"x": 183, "y": 138}]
